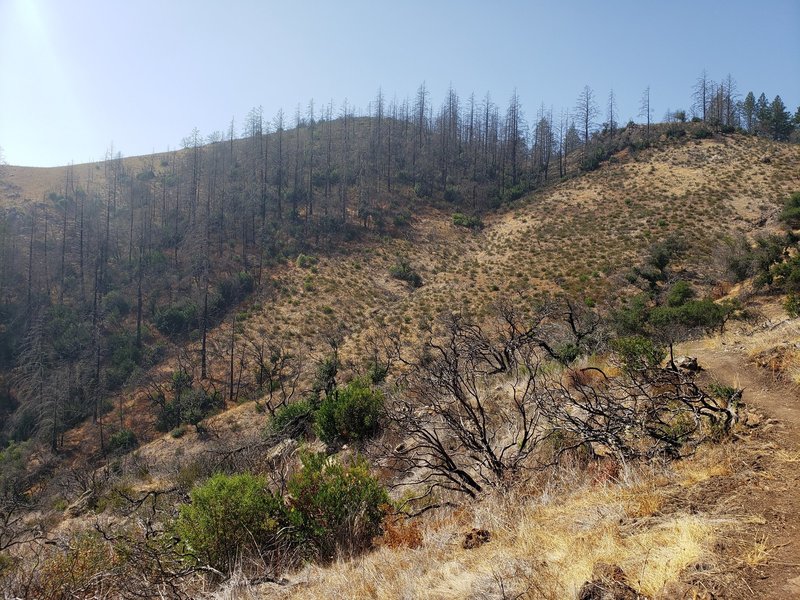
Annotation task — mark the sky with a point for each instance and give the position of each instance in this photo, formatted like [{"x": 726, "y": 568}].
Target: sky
[{"x": 81, "y": 77}]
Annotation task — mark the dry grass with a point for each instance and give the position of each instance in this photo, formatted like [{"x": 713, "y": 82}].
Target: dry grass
[
  {"x": 759, "y": 553},
  {"x": 544, "y": 544}
]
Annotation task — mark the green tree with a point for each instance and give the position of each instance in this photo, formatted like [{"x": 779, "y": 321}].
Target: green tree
[
  {"x": 749, "y": 112},
  {"x": 780, "y": 120},
  {"x": 763, "y": 115}
]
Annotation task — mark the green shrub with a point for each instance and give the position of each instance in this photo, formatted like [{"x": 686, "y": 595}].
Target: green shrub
[
  {"x": 304, "y": 261},
  {"x": 704, "y": 314},
  {"x": 631, "y": 319},
  {"x": 592, "y": 158},
  {"x": 125, "y": 356},
  {"x": 468, "y": 221},
  {"x": 726, "y": 393},
  {"x": 404, "y": 271},
  {"x": 188, "y": 405},
  {"x": 230, "y": 516},
  {"x": 122, "y": 441},
  {"x": 785, "y": 275},
  {"x": 350, "y": 413},
  {"x": 376, "y": 372},
  {"x": 792, "y": 305},
  {"x": 335, "y": 507},
  {"x": 324, "y": 378},
  {"x": 511, "y": 193},
  {"x": 675, "y": 131},
  {"x": 452, "y": 194},
  {"x": 293, "y": 419},
  {"x": 567, "y": 353},
  {"x": 231, "y": 290},
  {"x": 423, "y": 189},
  {"x": 177, "y": 319},
  {"x": 116, "y": 304},
  {"x": 637, "y": 352},
  {"x": 402, "y": 219},
  {"x": 13, "y": 461},
  {"x": 196, "y": 404},
  {"x": 791, "y": 211},
  {"x": 680, "y": 293}
]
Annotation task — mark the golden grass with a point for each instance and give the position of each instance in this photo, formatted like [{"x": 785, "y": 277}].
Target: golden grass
[
  {"x": 543, "y": 545},
  {"x": 758, "y": 553},
  {"x": 789, "y": 456}
]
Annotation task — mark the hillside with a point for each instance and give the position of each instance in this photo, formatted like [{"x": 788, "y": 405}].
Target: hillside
[{"x": 293, "y": 295}]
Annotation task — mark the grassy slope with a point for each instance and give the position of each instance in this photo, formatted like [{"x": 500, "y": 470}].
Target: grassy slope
[{"x": 580, "y": 236}]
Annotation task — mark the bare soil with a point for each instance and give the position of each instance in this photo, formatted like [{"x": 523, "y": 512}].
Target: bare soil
[{"x": 761, "y": 559}]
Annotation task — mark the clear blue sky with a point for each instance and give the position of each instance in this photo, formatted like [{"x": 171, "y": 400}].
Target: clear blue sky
[{"x": 79, "y": 75}]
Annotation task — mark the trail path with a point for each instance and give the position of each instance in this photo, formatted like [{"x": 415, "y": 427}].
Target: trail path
[{"x": 776, "y": 495}]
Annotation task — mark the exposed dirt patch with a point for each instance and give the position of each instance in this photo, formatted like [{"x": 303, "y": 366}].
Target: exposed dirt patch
[{"x": 762, "y": 557}]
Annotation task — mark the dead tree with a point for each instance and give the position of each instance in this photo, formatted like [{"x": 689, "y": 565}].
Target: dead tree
[{"x": 468, "y": 410}]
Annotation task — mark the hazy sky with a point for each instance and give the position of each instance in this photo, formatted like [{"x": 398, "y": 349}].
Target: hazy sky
[{"x": 79, "y": 75}]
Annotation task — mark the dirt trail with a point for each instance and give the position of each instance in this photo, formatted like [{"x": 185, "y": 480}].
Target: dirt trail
[{"x": 776, "y": 494}]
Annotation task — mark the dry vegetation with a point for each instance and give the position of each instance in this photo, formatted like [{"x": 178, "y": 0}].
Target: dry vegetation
[{"x": 682, "y": 530}]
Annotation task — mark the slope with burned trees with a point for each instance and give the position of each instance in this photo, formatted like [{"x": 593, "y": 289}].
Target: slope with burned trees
[{"x": 386, "y": 286}]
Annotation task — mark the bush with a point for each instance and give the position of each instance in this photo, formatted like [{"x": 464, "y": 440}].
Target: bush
[
  {"x": 680, "y": 293},
  {"x": 232, "y": 290},
  {"x": 452, "y": 194},
  {"x": 637, "y": 352},
  {"x": 293, "y": 419},
  {"x": 791, "y": 211},
  {"x": 792, "y": 305},
  {"x": 423, "y": 189},
  {"x": 304, "y": 261},
  {"x": 404, "y": 271},
  {"x": 324, "y": 378},
  {"x": 177, "y": 319},
  {"x": 349, "y": 414},
  {"x": 468, "y": 221},
  {"x": 116, "y": 304},
  {"x": 196, "y": 405},
  {"x": 675, "y": 131},
  {"x": 230, "y": 516},
  {"x": 122, "y": 441},
  {"x": 567, "y": 353},
  {"x": 125, "y": 356},
  {"x": 188, "y": 406},
  {"x": 592, "y": 158},
  {"x": 335, "y": 507}
]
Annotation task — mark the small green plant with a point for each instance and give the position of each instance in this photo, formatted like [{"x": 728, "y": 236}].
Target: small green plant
[
  {"x": 189, "y": 405},
  {"x": 637, "y": 352},
  {"x": 791, "y": 211},
  {"x": 350, "y": 413},
  {"x": 680, "y": 293},
  {"x": 452, "y": 194},
  {"x": 403, "y": 270},
  {"x": 305, "y": 261},
  {"x": 293, "y": 419},
  {"x": 792, "y": 305},
  {"x": 177, "y": 319},
  {"x": 468, "y": 221},
  {"x": 122, "y": 441}
]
